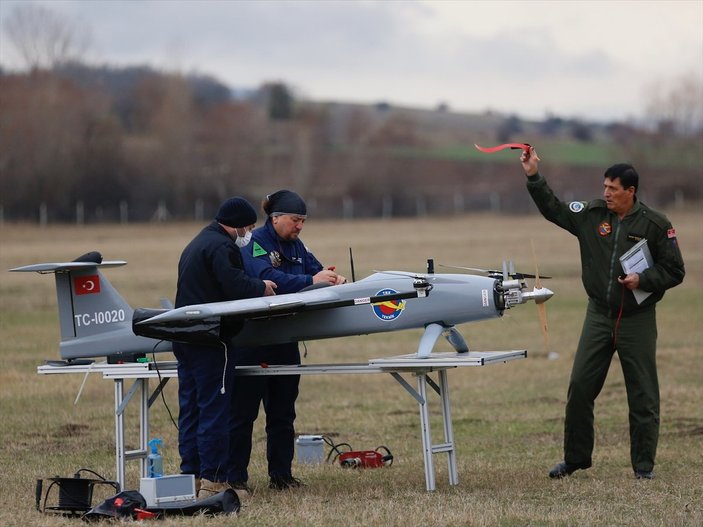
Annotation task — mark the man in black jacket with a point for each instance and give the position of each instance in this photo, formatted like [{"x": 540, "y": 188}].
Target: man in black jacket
[
  {"x": 211, "y": 270},
  {"x": 616, "y": 320}
]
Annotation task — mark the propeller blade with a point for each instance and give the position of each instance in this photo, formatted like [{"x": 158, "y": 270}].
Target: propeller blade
[
  {"x": 538, "y": 283},
  {"x": 542, "y": 312},
  {"x": 541, "y": 307},
  {"x": 528, "y": 275},
  {"x": 513, "y": 274},
  {"x": 468, "y": 268},
  {"x": 416, "y": 276}
]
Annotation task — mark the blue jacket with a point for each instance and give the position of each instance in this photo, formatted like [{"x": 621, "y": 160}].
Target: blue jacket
[
  {"x": 211, "y": 270},
  {"x": 288, "y": 263}
]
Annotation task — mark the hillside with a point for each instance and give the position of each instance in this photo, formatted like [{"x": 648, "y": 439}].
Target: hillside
[{"x": 135, "y": 144}]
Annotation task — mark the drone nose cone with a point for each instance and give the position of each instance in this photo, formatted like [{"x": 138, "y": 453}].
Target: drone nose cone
[{"x": 542, "y": 294}]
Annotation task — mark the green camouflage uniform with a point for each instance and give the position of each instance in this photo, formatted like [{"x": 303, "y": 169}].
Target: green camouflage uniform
[{"x": 614, "y": 320}]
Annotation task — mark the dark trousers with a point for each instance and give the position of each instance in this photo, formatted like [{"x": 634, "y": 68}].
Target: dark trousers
[
  {"x": 635, "y": 342},
  {"x": 278, "y": 394},
  {"x": 204, "y": 411}
]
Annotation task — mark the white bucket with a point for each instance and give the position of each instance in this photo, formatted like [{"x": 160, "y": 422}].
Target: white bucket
[{"x": 311, "y": 449}]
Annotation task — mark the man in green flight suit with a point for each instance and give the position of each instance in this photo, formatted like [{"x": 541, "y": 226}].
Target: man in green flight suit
[{"x": 615, "y": 320}]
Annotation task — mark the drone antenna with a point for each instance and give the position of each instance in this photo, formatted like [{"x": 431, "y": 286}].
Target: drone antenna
[
  {"x": 351, "y": 264},
  {"x": 430, "y": 266}
]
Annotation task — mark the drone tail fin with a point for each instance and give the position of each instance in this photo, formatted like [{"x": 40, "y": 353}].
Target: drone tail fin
[{"x": 94, "y": 319}]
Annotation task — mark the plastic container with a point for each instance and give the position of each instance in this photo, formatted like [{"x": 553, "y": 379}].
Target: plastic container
[
  {"x": 154, "y": 462},
  {"x": 310, "y": 448}
]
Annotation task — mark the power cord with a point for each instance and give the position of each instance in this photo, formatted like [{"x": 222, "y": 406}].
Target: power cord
[
  {"x": 158, "y": 373},
  {"x": 334, "y": 448}
]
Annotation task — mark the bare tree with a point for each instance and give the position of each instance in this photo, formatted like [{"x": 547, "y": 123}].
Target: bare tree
[
  {"x": 45, "y": 39},
  {"x": 678, "y": 105}
]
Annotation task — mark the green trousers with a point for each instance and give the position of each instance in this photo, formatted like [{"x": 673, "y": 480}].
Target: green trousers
[{"x": 634, "y": 339}]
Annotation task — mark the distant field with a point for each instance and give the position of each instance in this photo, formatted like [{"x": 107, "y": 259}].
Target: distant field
[
  {"x": 572, "y": 153},
  {"x": 507, "y": 418}
]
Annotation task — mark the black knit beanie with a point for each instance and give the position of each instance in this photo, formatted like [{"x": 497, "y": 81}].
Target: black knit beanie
[{"x": 236, "y": 212}]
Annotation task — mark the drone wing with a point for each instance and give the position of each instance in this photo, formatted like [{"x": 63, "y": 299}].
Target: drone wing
[{"x": 268, "y": 306}]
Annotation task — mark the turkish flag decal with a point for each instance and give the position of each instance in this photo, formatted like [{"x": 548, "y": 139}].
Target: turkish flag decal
[{"x": 86, "y": 285}]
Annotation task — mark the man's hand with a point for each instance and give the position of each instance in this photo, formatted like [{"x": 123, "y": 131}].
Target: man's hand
[
  {"x": 530, "y": 161},
  {"x": 631, "y": 281},
  {"x": 270, "y": 286},
  {"x": 329, "y": 276}
]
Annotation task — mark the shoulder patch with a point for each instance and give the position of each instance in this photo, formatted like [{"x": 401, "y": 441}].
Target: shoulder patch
[
  {"x": 257, "y": 250},
  {"x": 577, "y": 206}
]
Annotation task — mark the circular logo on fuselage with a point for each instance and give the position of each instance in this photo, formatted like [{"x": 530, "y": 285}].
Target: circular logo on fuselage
[{"x": 388, "y": 310}]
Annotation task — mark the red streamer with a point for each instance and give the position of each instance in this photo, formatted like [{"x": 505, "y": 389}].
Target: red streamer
[{"x": 513, "y": 146}]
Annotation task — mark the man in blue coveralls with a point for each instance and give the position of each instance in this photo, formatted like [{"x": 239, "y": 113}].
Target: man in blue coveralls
[
  {"x": 276, "y": 253},
  {"x": 211, "y": 270}
]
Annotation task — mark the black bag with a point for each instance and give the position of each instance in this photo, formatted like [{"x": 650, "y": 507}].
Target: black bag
[
  {"x": 122, "y": 505},
  {"x": 131, "y": 504},
  {"x": 225, "y": 502}
]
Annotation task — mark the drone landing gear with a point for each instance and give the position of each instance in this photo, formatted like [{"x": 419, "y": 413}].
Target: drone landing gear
[{"x": 432, "y": 333}]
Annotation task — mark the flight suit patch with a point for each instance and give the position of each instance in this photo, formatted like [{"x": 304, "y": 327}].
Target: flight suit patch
[
  {"x": 577, "y": 206},
  {"x": 604, "y": 229},
  {"x": 257, "y": 250},
  {"x": 275, "y": 258}
]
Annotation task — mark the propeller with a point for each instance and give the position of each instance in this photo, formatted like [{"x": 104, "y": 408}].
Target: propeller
[
  {"x": 515, "y": 290},
  {"x": 494, "y": 273},
  {"x": 541, "y": 307}
]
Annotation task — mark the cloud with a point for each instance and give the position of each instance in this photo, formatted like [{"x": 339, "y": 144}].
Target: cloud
[{"x": 569, "y": 57}]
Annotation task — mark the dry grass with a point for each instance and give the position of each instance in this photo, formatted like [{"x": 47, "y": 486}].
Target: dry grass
[{"x": 507, "y": 418}]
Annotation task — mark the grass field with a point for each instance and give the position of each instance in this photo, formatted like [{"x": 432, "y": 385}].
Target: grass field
[{"x": 507, "y": 418}]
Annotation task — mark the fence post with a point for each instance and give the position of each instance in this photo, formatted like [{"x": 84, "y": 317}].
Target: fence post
[
  {"x": 161, "y": 213},
  {"x": 199, "y": 210},
  {"x": 458, "y": 203},
  {"x": 495, "y": 201},
  {"x": 387, "y": 207},
  {"x": 347, "y": 207},
  {"x": 420, "y": 206},
  {"x": 43, "y": 214},
  {"x": 80, "y": 213}
]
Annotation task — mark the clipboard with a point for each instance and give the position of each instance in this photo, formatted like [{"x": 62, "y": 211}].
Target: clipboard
[{"x": 636, "y": 260}]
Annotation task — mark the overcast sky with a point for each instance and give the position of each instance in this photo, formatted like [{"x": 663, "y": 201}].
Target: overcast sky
[{"x": 595, "y": 60}]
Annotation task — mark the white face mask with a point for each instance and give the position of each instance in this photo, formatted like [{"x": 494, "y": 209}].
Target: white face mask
[{"x": 243, "y": 241}]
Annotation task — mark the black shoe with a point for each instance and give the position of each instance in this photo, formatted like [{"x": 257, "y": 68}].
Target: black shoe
[
  {"x": 563, "y": 469},
  {"x": 284, "y": 482},
  {"x": 644, "y": 474}
]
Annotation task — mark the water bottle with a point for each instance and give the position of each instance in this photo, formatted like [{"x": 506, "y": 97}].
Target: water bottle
[{"x": 154, "y": 462}]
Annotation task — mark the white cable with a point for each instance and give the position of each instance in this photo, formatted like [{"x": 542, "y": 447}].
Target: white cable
[
  {"x": 224, "y": 369},
  {"x": 85, "y": 378}
]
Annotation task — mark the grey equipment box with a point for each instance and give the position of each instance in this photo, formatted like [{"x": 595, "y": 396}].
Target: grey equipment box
[
  {"x": 310, "y": 449},
  {"x": 173, "y": 490}
]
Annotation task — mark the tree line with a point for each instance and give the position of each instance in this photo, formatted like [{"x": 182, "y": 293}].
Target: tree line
[{"x": 109, "y": 140}]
